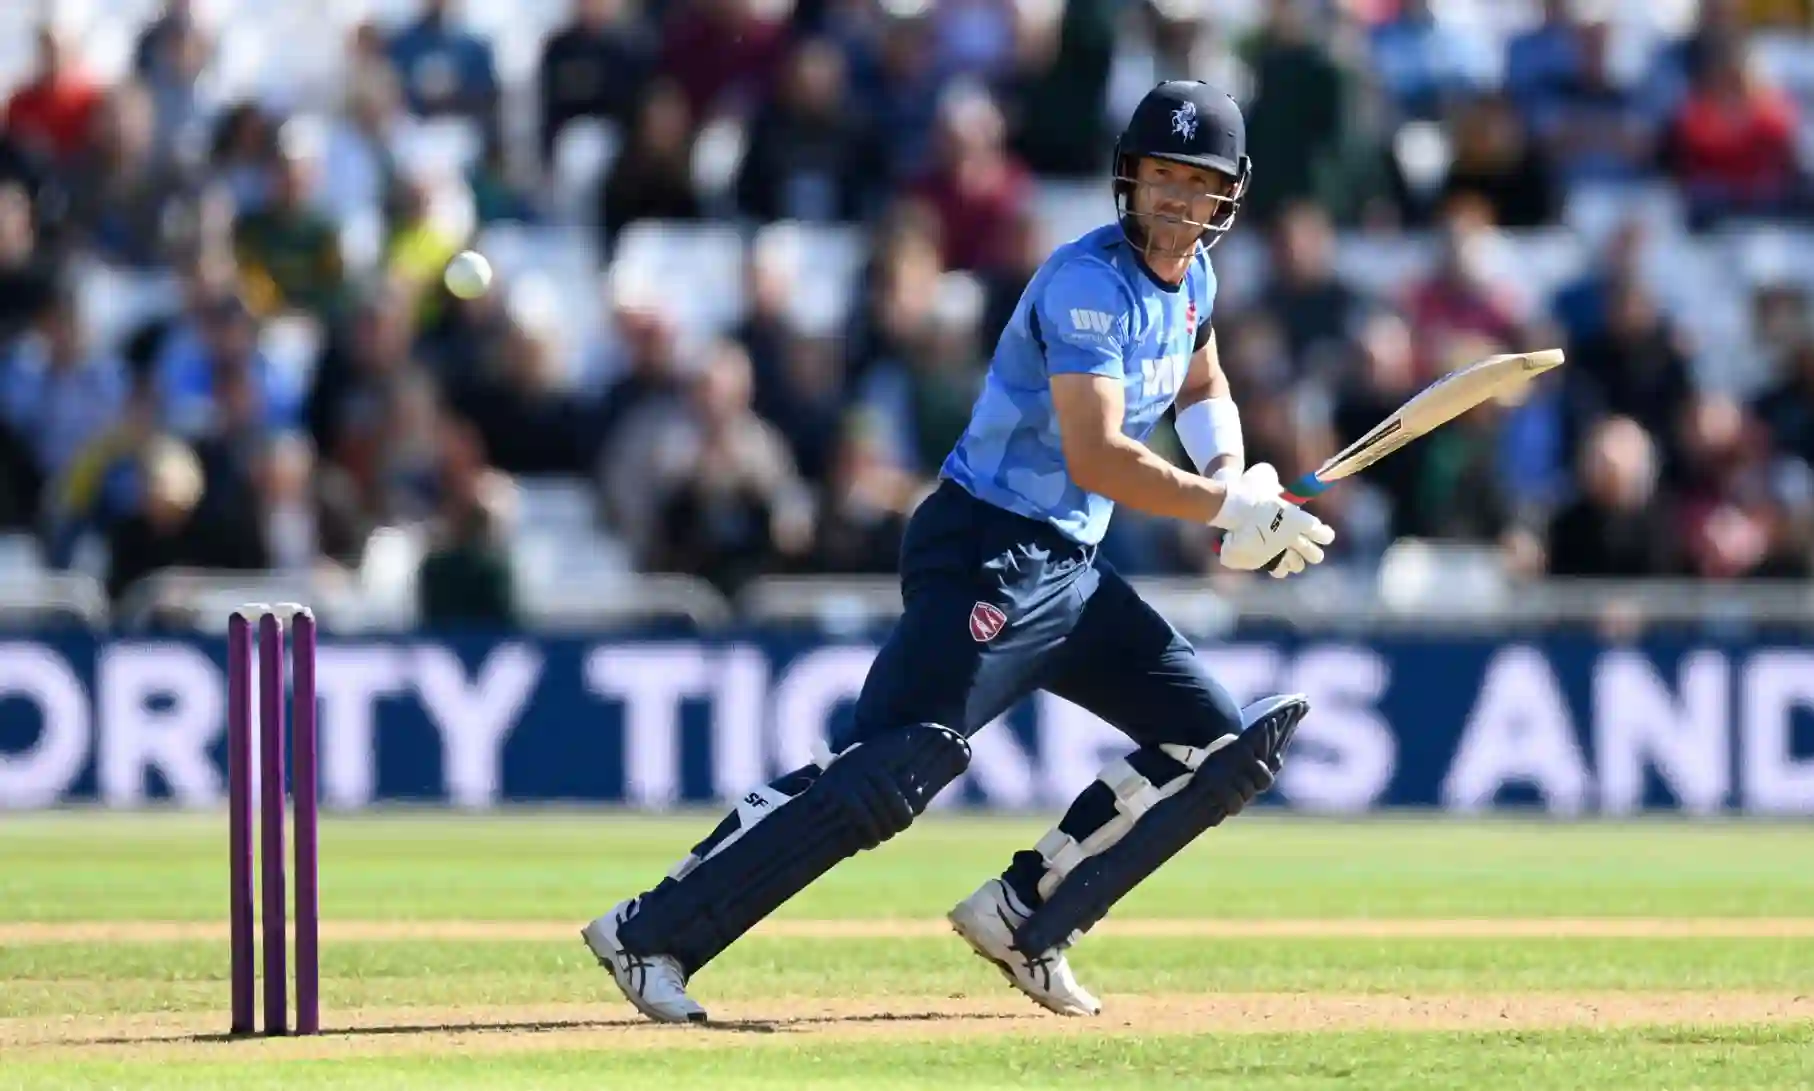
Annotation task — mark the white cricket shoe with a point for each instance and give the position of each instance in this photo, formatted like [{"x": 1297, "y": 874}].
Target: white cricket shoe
[
  {"x": 987, "y": 919},
  {"x": 656, "y": 984}
]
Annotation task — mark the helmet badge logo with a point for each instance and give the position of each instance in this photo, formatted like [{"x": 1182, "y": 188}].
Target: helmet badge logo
[{"x": 1184, "y": 121}]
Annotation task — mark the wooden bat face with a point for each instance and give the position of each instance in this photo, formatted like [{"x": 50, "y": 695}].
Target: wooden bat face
[{"x": 1436, "y": 405}]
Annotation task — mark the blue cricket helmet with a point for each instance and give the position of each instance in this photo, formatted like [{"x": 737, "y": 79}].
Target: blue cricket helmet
[{"x": 1185, "y": 121}]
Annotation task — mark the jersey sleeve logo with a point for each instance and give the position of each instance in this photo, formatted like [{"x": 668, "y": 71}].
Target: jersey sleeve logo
[
  {"x": 986, "y": 622},
  {"x": 1091, "y": 321}
]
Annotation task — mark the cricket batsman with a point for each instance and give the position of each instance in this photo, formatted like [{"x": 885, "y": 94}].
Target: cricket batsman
[{"x": 1004, "y": 594}]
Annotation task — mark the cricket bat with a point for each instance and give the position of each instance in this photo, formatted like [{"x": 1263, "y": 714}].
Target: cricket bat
[{"x": 1429, "y": 409}]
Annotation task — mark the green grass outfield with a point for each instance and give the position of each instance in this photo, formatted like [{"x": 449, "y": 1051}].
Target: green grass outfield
[{"x": 1277, "y": 953}]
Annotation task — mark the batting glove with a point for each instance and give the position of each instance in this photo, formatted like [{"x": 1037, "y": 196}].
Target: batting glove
[{"x": 1264, "y": 530}]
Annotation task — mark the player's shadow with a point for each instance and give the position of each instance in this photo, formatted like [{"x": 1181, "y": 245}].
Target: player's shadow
[{"x": 549, "y": 1026}]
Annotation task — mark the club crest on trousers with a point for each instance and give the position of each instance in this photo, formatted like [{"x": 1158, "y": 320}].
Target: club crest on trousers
[{"x": 986, "y": 622}]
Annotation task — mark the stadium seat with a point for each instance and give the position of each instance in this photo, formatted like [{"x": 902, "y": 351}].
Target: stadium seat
[
  {"x": 19, "y": 557},
  {"x": 718, "y": 150},
  {"x": 292, "y": 343},
  {"x": 1769, "y": 253},
  {"x": 387, "y": 572},
  {"x": 1540, "y": 262},
  {"x": 1242, "y": 266},
  {"x": 114, "y": 302},
  {"x": 1383, "y": 266},
  {"x": 1417, "y": 576},
  {"x": 823, "y": 262},
  {"x": 583, "y": 153},
  {"x": 362, "y": 240},
  {"x": 1070, "y": 209},
  {"x": 556, "y": 505},
  {"x": 1788, "y": 61},
  {"x": 440, "y": 147},
  {"x": 695, "y": 268},
  {"x": 1595, "y": 210}
]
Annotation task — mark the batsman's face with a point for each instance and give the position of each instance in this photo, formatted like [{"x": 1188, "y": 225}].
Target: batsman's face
[{"x": 1178, "y": 200}]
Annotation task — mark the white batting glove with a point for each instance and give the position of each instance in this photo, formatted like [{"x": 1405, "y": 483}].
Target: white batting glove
[{"x": 1267, "y": 531}]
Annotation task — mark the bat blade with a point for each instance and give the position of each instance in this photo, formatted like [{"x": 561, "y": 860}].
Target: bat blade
[{"x": 1429, "y": 409}]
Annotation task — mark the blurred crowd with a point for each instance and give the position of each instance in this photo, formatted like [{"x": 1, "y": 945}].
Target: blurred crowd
[{"x": 309, "y": 380}]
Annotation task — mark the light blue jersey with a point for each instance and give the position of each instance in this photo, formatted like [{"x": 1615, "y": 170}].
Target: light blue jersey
[{"x": 1092, "y": 309}]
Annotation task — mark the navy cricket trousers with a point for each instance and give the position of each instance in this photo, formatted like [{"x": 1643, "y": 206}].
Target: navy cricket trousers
[{"x": 998, "y": 605}]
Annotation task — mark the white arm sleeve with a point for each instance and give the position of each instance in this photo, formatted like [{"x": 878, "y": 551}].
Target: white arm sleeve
[{"x": 1209, "y": 428}]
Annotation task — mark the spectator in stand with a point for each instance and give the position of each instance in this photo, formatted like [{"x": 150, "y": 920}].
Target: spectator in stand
[
  {"x": 170, "y": 59},
  {"x": 1786, "y": 407},
  {"x": 363, "y": 358},
  {"x": 1029, "y": 243},
  {"x": 1619, "y": 526},
  {"x": 1722, "y": 489},
  {"x": 29, "y": 274},
  {"x": 1732, "y": 144},
  {"x": 724, "y": 500},
  {"x": 1463, "y": 297},
  {"x": 597, "y": 66},
  {"x": 167, "y": 530},
  {"x": 1787, "y": 514},
  {"x": 895, "y": 297},
  {"x": 1594, "y": 128},
  {"x": 648, "y": 369},
  {"x": 127, "y": 206},
  {"x": 974, "y": 40},
  {"x": 244, "y": 155},
  {"x": 1581, "y": 306},
  {"x": 525, "y": 416},
  {"x": 976, "y": 186},
  {"x": 1460, "y": 490},
  {"x": 54, "y": 114},
  {"x": 1426, "y": 64},
  {"x": 1678, "y": 64},
  {"x": 1300, "y": 110},
  {"x": 57, "y": 394},
  {"x": 1496, "y": 160},
  {"x": 807, "y": 401},
  {"x": 1066, "y": 55},
  {"x": 723, "y": 54},
  {"x": 358, "y": 164},
  {"x": 811, "y": 156},
  {"x": 467, "y": 578},
  {"x": 289, "y": 253},
  {"x": 446, "y": 70},
  {"x": 905, "y": 100},
  {"x": 925, "y": 394},
  {"x": 653, "y": 178},
  {"x": 291, "y": 519},
  {"x": 1382, "y": 375},
  {"x": 1540, "y": 63},
  {"x": 1636, "y": 367},
  {"x": 1318, "y": 313},
  {"x": 868, "y": 498},
  {"x": 224, "y": 348},
  {"x": 419, "y": 244}
]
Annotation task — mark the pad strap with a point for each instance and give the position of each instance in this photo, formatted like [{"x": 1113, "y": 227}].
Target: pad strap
[{"x": 1134, "y": 796}]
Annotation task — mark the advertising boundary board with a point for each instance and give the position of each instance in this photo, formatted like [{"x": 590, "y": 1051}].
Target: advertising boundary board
[{"x": 1562, "y": 723}]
